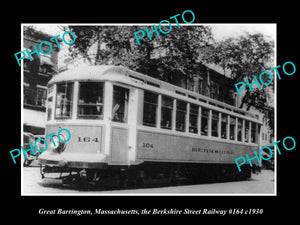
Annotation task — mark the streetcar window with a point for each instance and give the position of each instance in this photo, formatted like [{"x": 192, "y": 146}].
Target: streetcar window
[
  {"x": 246, "y": 131},
  {"x": 224, "y": 122},
  {"x": 64, "y": 100},
  {"x": 253, "y": 132},
  {"x": 49, "y": 107},
  {"x": 215, "y": 124},
  {"x": 90, "y": 101},
  {"x": 232, "y": 128},
  {"x": 240, "y": 128},
  {"x": 193, "y": 123},
  {"x": 166, "y": 112},
  {"x": 204, "y": 121},
  {"x": 150, "y": 109},
  {"x": 120, "y": 104},
  {"x": 180, "y": 115}
]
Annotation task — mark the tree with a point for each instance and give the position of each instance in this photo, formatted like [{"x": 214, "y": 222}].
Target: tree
[
  {"x": 245, "y": 57},
  {"x": 167, "y": 56}
]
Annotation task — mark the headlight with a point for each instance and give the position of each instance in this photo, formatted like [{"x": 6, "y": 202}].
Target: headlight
[
  {"x": 55, "y": 142},
  {"x": 63, "y": 137},
  {"x": 41, "y": 146}
]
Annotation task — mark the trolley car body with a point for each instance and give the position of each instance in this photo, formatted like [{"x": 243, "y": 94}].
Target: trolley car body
[{"x": 121, "y": 118}]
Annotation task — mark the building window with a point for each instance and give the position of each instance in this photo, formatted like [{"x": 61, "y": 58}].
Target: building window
[
  {"x": 64, "y": 100},
  {"x": 26, "y": 64},
  {"x": 166, "y": 112},
  {"x": 224, "y": 123},
  {"x": 240, "y": 128},
  {"x": 180, "y": 115},
  {"x": 49, "y": 108},
  {"x": 203, "y": 88},
  {"x": 41, "y": 96},
  {"x": 35, "y": 96},
  {"x": 150, "y": 109},
  {"x": 26, "y": 94},
  {"x": 204, "y": 121},
  {"x": 90, "y": 101},
  {"x": 246, "y": 135},
  {"x": 43, "y": 69},
  {"x": 213, "y": 90},
  {"x": 232, "y": 128},
  {"x": 193, "y": 123},
  {"x": 253, "y": 133},
  {"x": 215, "y": 124},
  {"x": 200, "y": 86},
  {"x": 120, "y": 104}
]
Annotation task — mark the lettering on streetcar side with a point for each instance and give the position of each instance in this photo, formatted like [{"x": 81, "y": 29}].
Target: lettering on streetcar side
[
  {"x": 211, "y": 151},
  {"x": 148, "y": 145},
  {"x": 87, "y": 139}
]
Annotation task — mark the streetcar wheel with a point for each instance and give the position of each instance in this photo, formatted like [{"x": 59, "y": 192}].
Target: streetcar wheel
[
  {"x": 140, "y": 179},
  {"x": 175, "y": 178}
]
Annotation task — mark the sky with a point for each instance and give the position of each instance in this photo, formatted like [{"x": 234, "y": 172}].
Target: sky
[
  {"x": 220, "y": 31},
  {"x": 229, "y": 30}
]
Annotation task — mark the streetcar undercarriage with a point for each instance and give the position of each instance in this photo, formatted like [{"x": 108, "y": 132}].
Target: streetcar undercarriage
[{"x": 148, "y": 174}]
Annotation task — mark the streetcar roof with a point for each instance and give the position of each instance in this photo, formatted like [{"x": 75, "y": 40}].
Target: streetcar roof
[
  {"x": 124, "y": 75},
  {"x": 88, "y": 73}
]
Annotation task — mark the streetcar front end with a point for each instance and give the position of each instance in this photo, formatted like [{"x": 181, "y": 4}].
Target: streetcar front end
[{"x": 77, "y": 107}]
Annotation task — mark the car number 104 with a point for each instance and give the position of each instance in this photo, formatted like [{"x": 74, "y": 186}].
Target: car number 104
[
  {"x": 87, "y": 139},
  {"x": 147, "y": 145}
]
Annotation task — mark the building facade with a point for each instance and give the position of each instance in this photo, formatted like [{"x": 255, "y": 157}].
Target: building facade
[
  {"x": 209, "y": 82},
  {"x": 36, "y": 74}
]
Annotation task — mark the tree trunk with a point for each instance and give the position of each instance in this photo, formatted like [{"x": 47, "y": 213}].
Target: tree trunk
[
  {"x": 244, "y": 99},
  {"x": 98, "y": 46}
]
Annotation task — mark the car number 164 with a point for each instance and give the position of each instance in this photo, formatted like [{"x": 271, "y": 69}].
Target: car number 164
[{"x": 87, "y": 139}]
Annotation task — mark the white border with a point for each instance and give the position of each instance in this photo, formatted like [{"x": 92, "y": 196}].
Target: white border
[{"x": 156, "y": 194}]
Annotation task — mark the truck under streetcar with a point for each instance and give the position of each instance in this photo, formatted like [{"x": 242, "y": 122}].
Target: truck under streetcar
[{"x": 130, "y": 128}]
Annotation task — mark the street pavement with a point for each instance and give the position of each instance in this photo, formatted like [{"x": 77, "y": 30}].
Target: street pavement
[{"x": 259, "y": 184}]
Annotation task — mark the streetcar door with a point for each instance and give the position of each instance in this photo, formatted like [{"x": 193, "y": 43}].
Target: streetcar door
[{"x": 119, "y": 125}]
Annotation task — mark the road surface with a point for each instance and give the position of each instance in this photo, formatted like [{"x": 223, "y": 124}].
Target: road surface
[{"x": 259, "y": 184}]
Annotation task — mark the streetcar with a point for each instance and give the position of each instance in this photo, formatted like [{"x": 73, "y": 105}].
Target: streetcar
[{"x": 125, "y": 125}]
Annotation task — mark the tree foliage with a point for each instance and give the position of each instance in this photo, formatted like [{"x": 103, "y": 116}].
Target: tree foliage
[
  {"x": 163, "y": 57},
  {"x": 245, "y": 57}
]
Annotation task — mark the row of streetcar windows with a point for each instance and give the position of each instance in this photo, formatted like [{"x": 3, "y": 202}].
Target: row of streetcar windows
[
  {"x": 194, "y": 119},
  {"x": 90, "y": 101},
  {"x": 188, "y": 117}
]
